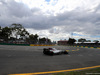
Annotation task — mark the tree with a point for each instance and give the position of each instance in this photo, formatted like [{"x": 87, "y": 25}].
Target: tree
[
  {"x": 88, "y": 40},
  {"x": 71, "y": 41},
  {"x": 6, "y": 32},
  {"x": 16, "y": 29},
  {"x": 96, "y": 41},
  {"x": 11, "y": 34},
  {"x": 48, "y": 41},
  {"x": 42, "y": 40},
  {"x": 33, "y": 38},
  {"x": 0, "y": 32},
  {"x": 36, "y": 38},
  {"x": 24, "y": 34},
  {"x": 81, "y": 40}
]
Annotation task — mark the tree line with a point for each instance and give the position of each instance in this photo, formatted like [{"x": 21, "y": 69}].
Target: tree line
[
  {"x": 17, "y": 33},
  {"x": 82, "y": 40},
  {"x": 71, "y": 41}
]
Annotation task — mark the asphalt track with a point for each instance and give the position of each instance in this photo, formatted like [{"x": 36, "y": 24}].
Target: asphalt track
[{"x": 30, "y": 59}]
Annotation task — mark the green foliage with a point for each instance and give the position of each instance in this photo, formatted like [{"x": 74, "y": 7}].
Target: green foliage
[
  {"x": 96, "y": 41},
  {"x": 88, "y": 40},
  {"x": 44, "y": 41},
  {"x": 15, "y": 26},
  {"x": 5, "y": 33},
  {"x": 33, "y": 38},
  {"x": 81, "y": 40},
  {"x": 24, "y": 34},
  {"x": 17, "y": 29},
  {"x": 0, "y": 32},
  {"x": 18, "y": 32},
  {"x": 71, "y": 41}
]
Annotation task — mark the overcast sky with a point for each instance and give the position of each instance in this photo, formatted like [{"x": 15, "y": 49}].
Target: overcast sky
[{"x": 55, "y": 19}]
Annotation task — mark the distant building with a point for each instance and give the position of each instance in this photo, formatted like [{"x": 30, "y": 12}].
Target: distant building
[{"x": 62, "y": 42}]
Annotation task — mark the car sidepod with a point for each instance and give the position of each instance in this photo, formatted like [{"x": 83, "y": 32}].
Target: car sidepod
[{"x": 47, "y": 52}]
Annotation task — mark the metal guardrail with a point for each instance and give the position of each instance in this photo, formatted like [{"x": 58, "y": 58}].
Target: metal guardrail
[
  {"x": 25, "y": 44},
  {"x": 86, "y": 47},
  {"x": 14, "y": 44}
]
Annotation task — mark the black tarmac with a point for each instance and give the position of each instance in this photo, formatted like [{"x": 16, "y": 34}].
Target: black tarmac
[{"x": 30, "y": 59}]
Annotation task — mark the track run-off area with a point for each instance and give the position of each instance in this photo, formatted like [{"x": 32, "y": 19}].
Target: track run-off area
[{"x": 29, "y": 60}]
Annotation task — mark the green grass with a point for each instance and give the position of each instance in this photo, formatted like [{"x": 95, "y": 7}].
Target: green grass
[{"x": 95, "y": 71}]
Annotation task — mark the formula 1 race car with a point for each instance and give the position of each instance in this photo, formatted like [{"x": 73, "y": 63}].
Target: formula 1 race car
[{"x": 53, "y": 51}]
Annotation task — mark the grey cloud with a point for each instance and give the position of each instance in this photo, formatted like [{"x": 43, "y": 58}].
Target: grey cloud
[
  {"x": 54, "y": 30},
  {"x": 97, "y": 9},
  {"x": 73, "y": 21},
  {"x": 35, "y": 9},
  {"x": 18, "y": 9}
]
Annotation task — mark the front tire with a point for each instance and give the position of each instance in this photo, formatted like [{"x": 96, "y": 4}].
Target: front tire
[{"x": 65, "y": 52}]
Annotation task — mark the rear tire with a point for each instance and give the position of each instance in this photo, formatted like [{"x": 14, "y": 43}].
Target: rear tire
[
  {"x": 52, "y": 54},
  {"x": 44, "y": 52}
]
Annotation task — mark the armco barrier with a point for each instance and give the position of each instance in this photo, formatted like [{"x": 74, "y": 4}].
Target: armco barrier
[
  {"x": 15, "y": 44},
  {"x": 87, "y": 47},
  {"x": 24, "y": 44},
  {"x": 40, "y": 45}
]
